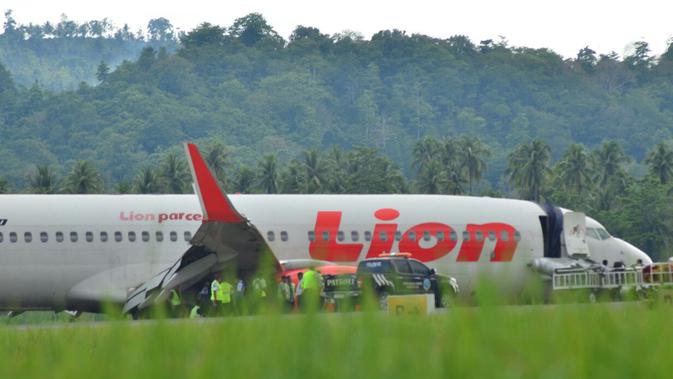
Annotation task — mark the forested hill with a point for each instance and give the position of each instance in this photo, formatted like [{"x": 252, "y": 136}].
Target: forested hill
[
  {"x": 60, "y": 56},
  {"x": 258, "y": 93}
]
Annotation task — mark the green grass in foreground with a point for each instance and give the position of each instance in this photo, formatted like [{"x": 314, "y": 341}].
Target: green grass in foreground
[{"x": 570, "y": 341}]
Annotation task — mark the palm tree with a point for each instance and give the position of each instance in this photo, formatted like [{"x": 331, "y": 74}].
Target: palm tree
[
  {"x": 425, "y": 151},
  {"x": 4, "y": 185},
  {"x": 609, "y": 159},
  {"x": 528, "y": 168},
  {"x": 244, "y": 180},
  {"x": 217, "y": 156},
  {"x": 147, "y": 181},
  {"x": 660, "y": 162},
  {"x": 175, "y": 174},
  {"x": 269, "y": 174},
  {"x": 83, "y": 178},
  {"x": 292, "y": 180},
  {"x": 314, "y": 171},
  {"x": 43, "y": 180},
  {"x": 471, "y": 154},
  {"x": 432, "y": 178},
  {"x": 575, "y": 169}
]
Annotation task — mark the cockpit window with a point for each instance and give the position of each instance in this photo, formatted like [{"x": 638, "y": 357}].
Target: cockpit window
[
  {"x": 603, "y": 233},
  {"x": 591, "y": 233}
]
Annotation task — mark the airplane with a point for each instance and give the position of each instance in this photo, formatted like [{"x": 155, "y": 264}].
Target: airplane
[{"x": 79, "y": 252}]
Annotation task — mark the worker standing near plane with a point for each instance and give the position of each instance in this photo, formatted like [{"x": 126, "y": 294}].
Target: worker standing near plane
[
  {"x": 176, "y": 303},
  {"x": 226, "y": 290},
  {"x": 311, "y": 286},
  {"x": 216, "y": 295}
]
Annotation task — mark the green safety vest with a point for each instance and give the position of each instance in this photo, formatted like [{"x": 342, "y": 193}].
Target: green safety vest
[
  {"x": 175, "y": 298},
  {"x": 310, "y": 281},
  {"x": 225, "y": 293},
  {"x": 194, "y": 312}
]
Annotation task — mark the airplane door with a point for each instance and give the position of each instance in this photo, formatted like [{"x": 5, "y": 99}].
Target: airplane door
[{"x": 575, "y": 234}]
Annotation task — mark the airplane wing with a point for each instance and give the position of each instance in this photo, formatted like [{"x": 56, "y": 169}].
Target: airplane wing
[{"x": 225, "y": 239}]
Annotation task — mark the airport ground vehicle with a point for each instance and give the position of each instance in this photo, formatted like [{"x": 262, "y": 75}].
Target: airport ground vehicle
[{"x": 391, "y": 274}]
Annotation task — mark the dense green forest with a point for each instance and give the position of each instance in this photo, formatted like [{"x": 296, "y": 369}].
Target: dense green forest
[{"x": 397, "y": 113}]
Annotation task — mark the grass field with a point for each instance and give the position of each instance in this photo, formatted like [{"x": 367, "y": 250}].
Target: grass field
[{"x": 567, "y": 341}]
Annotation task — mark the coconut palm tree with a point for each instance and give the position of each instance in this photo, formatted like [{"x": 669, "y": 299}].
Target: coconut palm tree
[
  {"x": 432, "y": 178},
  {"x": 83, "y": 178},
  {"x": 147, "y": 181},
  {"x": 425, "y": 151},
  {"x": 471, "y": 153},
  {"x": 175, "y": 173},
  {"x": 609, "y": 162},
  {"x": 268, "y": 175},
  {"x": 528, "y": 168},
  {"x": 244, "y": 180},
  {"x": 315, "y": 171},
  {"x": 43, "y": 180},
  {"x": 660, "y": 162},
  {"x": 216, "y": 157},
  {"x": 575, "y": 169}
]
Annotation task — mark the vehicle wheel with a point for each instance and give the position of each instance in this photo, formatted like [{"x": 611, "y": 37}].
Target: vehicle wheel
[
  {"x": 383, "y": 301},
  {"x": 446, "y": 299}
]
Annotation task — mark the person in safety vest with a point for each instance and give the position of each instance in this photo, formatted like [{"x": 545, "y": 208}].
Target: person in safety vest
[
  {"x": 215, "y": 294},
  {"x": 195, "y": 312},
  {"x": 226, "y": 292},
  {"x": 175, "y": 302},
  {"x": 311, "y": 286}
]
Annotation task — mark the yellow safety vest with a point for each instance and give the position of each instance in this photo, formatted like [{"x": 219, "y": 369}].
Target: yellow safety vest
[
  {"x": 310, "y": 280},
  {"x": 195, "y": 312},
  {"x": 225, "y": 292},
  {"x": 175, "y": 298}
]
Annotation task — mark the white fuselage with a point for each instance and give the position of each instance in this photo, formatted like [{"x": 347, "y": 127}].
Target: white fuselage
[{"x": 98, "y": 260}]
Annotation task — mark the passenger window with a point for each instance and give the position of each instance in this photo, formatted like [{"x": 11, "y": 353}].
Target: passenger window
[
  {"x": 368, "y": 236},
  {"x": 355, "y": 236},
  {"x": 13, "y": 238},
  {"x": 73, "y": 237},
  {"x": 88, "y": 236},
  {"x": 270, "y": 236},
  {"x": 325, "y": 236},
  {"x": 1, "y": 237},
  {"x": 132, "y": 236},
  {"x": 454, "y": 236},
  {"x": 159, "y": 236},
  {"x": 383, "y": 236},
  {"x": 145, "y": 236},
  {"x": 188, "y": 236},
  {"x": 174, "y": 236},
  {"x": 311, "y": 236},
  {"x": 398, "y": 235},
  {"x": 103, "y": 236},
  {"x": 504, "y": 235},
  {"x": 59, "y": 236},
  {"x": 517, "y": 236},
  {"x": 118, "y": 236},
  {"x": 283, "y": 236},
  {"x": 403, "y": 266},
  {"x": 440, "y": 237},
  {"x": 340, "y": 235},
  {"x": 480, "y": 235},
  {"x": 44, "y": 237},
  {"x": 28, "y": 237},
  {"x": 426, "y": 235},
  {"x": 419, "y": 268},
  {"x": 466, "y": 236},
  {"x": 412, "y": 236},
  {"x": 491, "y": 236}
]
